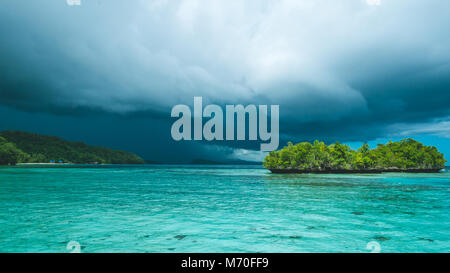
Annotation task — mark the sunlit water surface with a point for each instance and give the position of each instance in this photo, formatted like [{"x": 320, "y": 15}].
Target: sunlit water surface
[{"x": 157, "y": 208}]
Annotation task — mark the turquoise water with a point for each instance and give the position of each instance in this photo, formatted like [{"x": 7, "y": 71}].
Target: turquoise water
[{"x": 220, "y": 209}]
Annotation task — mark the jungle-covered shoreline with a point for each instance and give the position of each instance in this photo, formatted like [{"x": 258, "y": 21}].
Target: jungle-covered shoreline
[
  {"x": 17, "y": 147},
  {"x": 407, "y": 155}
]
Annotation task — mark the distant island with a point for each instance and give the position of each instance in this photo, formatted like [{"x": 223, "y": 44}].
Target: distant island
[
  {"x": 22, "y": 147},
  {"x": 200, "y": 161},
  {"x": 407, "y": 155}
]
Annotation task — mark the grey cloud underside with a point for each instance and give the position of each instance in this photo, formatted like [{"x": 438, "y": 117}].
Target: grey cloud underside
[{"x": 340, "y": 70}]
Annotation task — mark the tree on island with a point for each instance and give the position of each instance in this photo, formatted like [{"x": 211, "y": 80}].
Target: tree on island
[
  {"x": 407, "y": 154},
  {"x": 9, "y": 154}
]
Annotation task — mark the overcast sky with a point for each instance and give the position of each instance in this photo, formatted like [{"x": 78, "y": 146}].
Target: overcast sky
[{"x": 109, "y": 72}]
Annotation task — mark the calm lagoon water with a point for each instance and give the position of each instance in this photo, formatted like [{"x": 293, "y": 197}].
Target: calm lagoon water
[{"x": 154, "y": 208}]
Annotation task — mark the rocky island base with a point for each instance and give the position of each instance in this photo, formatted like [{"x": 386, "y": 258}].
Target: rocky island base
[{"x": 294, "y": 171}]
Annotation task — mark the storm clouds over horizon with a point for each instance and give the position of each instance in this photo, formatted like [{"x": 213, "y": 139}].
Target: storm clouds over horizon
[{"x": 110, "y": 71}]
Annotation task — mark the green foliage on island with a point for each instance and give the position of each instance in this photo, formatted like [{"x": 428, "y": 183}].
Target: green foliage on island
[
  {"x": 9, "y": 154},
  {"x": 407, "y": 154},
  {"x": 23, "y": 147}
]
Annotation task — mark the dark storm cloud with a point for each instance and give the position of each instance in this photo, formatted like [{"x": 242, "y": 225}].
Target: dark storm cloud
[{"x": 340, "y": 70}]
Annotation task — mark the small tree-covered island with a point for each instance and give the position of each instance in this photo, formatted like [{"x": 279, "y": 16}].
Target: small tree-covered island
[{"x": 407, "y": 155}]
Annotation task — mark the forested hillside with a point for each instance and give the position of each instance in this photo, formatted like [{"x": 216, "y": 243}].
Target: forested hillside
[{"x": 23, "y": 147}]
